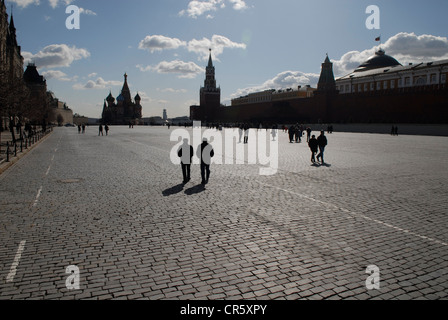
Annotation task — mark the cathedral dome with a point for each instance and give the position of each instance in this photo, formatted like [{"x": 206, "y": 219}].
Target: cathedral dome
[{"x": 379, "y": 60}]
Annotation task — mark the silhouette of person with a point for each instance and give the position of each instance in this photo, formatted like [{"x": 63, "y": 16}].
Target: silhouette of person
[
  {"x": 205, "y": 153},
  {"x": 79, "y": 128},
  {"x": 83, "y": 128},
  {"x": 185, "y": 154},
  {"x": 322, "y": 143},
  {"x": 246, "y": 133},
  {"x": 291, "y": 133},
  {"x": 106, "y": 127},
  {"x": 313, "y": 144},
  {"x": 308, "y": 134},
  {"x": 100, "y": 132}
]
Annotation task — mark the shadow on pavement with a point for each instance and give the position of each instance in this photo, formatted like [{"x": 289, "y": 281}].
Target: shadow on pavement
[
  {"x": 196, "y": 189},
  {"x": 321, "y": 165},
  {"x": 173, "y": 190}
]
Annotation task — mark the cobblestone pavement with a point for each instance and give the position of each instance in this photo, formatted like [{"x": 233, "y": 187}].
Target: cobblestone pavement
[{"x": 114, "y": 207}]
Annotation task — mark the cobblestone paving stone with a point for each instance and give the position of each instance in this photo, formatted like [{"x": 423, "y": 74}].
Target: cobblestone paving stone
[{"x": 115, "y": 207}]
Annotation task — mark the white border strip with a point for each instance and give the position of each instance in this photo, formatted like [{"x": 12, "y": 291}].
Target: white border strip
[{"x": 15, "y": 264}]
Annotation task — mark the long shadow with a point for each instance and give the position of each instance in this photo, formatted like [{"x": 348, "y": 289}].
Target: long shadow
[
  {"x": 196, "y": 189},
  {"x": 316, "y": 164},
  {"x": 173, "y": 190}
]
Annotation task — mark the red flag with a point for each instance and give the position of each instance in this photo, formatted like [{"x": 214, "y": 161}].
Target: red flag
[{"x": 378, "y": 39}]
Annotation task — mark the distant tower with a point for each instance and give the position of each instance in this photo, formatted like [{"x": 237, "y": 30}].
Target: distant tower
[
  {"x": 326, "y": 79},
  {"x": 210, "y": 95},
  {"x": 165, "y": 116}
]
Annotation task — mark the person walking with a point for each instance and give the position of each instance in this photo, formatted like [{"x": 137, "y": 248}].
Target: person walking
[
  {"x": 313, "y": 144},
  {"x": 106, "y": 127},
  {"x": 246, "y": 133},
  {"x": 322, "y": 143},
  {"x": 185, "y": 154},
  {"x": 308, "y": 134},
  {"x": 291, "y": 133},
  {"x": 205, "y": 153},
  {"x": 100, "y": 131}
]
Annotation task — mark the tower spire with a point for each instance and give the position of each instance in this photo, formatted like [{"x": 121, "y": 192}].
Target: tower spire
[{"x": 210, "y": 62}]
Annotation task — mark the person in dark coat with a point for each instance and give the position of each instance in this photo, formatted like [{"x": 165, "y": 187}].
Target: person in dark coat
[
  {"x": 205, "y": 153},
  {"x": 185, "y": 154},
  {"x": 308, "y": 134},
  {"x": 291, "y": 132},
  {"x": 322, "y": 143},
  {"x": 106, "y": 127},
  {"x": 100, "y": 132},
  {"x": 313, "y": 144}
]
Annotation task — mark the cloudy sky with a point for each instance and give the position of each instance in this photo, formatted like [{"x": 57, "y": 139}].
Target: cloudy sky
[{"x": 256, "y": 44}]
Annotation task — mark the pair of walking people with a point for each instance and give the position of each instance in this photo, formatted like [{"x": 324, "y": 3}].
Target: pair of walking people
[
  {"x": 204, "y": 152},
  {"x": 315, "y": 144}
]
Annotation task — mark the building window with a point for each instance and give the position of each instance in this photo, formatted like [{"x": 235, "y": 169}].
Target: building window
[
  {"x": 433, "y": 78},
  {"x": 420, "y": 81},
  {"x": 407, "y": 81},
  {"x": 365, "y": 87},
  {"x": 378, "y": 85},
  {"x": 400, "y": 83},
  {"x": 385, "y": 84},
  {"x": 392, "y": 84},
  {"x": 347, "y": 88},
  {"x": 443, "y": 78},
  {"x": 372, "y": 86}
]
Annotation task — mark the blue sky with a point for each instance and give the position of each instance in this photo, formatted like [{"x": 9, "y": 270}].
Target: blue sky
[{"x": 257, "y": 44}]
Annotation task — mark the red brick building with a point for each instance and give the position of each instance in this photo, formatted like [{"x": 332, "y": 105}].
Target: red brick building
[{"x": 380, "y": 90}]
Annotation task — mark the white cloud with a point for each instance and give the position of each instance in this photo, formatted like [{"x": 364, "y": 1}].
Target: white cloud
[
  {"x": 25, "y": 3},
  {"x": 404, "y": 47},
  {"x": 171, "y": 90},
  {"x": 283, "y": 80},
  {"x": 87, "y": 12},
  {"x": 181, "y": 68},
  {"x": 198, "y": 8},
  {"x": 159, "y": 43},
  {"x": 56, "y": 55},
  {"x": 238, "y": 4},
  {"x": 217, "y": 43},
  {"x": 55, "y": 3},
  {"x": 58, "y": 75},
  {"x": 99, "y": 83}
]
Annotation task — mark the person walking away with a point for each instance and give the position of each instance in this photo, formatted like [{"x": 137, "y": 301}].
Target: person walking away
[
  {"x": 106, "y": 127},
  {"x": 291, "y": 133},
  {"x": 185, "y": 154},
  {"x": 100, "y": 132},
  {"x": 308, "y": 134},
  {"x": 246, "y": 133},
  {"x": 313, "y": 144},
  {"x": 322, "y": 143},
  {"x": 205, "y": 153}
]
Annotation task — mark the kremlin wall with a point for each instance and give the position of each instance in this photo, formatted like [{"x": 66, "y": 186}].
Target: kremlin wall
[{"x": 380, "y": 90}]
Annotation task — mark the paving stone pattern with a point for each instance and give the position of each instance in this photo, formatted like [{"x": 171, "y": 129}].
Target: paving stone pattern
[{"x": 115, "y": 207}]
